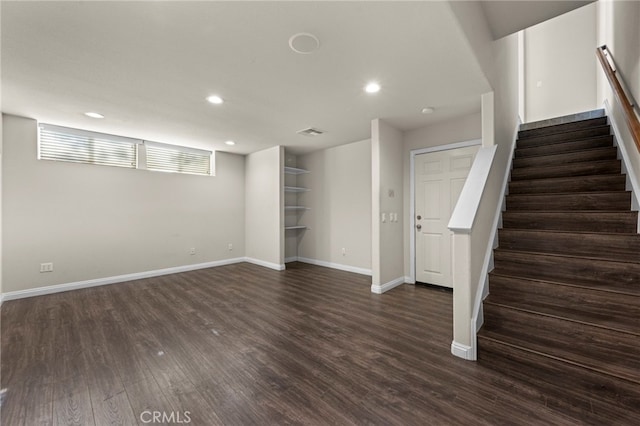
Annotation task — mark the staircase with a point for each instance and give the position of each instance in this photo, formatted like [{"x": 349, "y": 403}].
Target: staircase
[{"x": 563, "y": 315}]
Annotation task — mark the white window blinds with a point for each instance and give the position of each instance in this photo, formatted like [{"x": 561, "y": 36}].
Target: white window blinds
[
  {"x": 177, "y": 159},
  {"x": 79, "y": 146}
]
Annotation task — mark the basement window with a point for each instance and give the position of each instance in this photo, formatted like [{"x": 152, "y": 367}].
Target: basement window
[
  {"x": 177, "y": 159},
  {"x": 81, "y": 146}
]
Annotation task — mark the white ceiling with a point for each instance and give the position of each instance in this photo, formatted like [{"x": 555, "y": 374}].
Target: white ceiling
[
  {"x": 148, "y": 66},
  {"x": 508, "y": 17}
]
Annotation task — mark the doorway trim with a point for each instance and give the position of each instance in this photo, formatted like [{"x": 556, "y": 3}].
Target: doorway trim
[{"x": 412, "y": 195}]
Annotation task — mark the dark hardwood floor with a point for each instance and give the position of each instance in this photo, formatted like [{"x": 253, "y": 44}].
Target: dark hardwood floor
[{"x": 243, "y": 345}]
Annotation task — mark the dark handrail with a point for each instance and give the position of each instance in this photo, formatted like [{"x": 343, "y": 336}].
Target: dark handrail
[{"x": 632, "y": 119}]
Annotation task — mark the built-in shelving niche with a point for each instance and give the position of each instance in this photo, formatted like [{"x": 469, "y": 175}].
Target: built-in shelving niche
[{"x": 294, "y": 210}]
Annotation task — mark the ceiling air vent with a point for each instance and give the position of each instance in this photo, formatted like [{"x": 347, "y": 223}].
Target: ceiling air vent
[{"x": 310, "y": 132}]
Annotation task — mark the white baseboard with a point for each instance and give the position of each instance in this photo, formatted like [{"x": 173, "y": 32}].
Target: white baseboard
[
  {"x": 40, "y": 291},
  {"x": 409, "y": 280},
  {"x": 379, "y": 289},
  {"x": 339, "y": 266},
  {"x": 264, "y": 263},
  {"x": 290, "y": 259},
  {"x": 462, "y": 351}
]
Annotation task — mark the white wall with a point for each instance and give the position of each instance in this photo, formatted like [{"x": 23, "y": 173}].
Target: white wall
[
  {"x": 98, "y": 221},
  {"x": 1, "y": 149},
  {"x": 559, "y": 55},
  {"x": 387, "y": 258},
  {"x": 340, "y": 202},
  {"x": 459, "y": 129},
  {"x": 264, "y": 207},
  {"x": 618, "y": 28},
  {"x": 1, "y": 197}
]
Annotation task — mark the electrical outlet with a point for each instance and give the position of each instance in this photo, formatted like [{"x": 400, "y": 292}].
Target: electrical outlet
[
  {"x": 192, "y": 251},
  {"x": 46, "y": 267},
  {"x": 230, "y": 247},
  {"x": 344, "y": 251}
]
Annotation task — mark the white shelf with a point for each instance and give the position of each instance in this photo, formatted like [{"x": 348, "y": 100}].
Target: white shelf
[
  {"x": 295, "y": 189},
  {"x": 295, "y": 171},
  {"x": 295, "y": 227},
  {"x": 296, "y": 208}
]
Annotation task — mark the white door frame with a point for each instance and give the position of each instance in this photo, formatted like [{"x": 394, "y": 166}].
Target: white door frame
[{"x": 412, "y": 195}]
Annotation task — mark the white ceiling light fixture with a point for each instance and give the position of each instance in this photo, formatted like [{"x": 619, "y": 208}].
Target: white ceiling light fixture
[
  {"x": 215, "y": 99},
  {"x": 428, "y": 110},
  {"x": 230, "y": 143},
  {"x": 372, "y": 87},
  {"x": 304, "y": 43},
  {"x": 94, "y": 114}
]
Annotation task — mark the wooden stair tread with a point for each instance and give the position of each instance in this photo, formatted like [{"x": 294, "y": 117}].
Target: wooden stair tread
[
  {"x": 561, "y": 231},
  {"x": 599, "y": 398},
  {"x": 579, "y": 214},
  {"x": 573, "y": 220},
  {"x": 615, "y": 275},
  {"x": 603, "y": 350},
  {"x": 604, "y": 200},
  {"x": 569, "y": 194},
  {"x": 561, "y": 147},
  {"x": 563, "y": 255},
  {"x": 501, "y": 274},
  {"x": 563, "y": 127},
  {"x": 586, "y": 168},
  {"x": 593, "y": 183},
  {"x": 593, "y": 154},
  {"x": 591, "y": 306},
  {"x": 569, "y": 118},
  {"x": 588, "y": 244},
  {"x": 572, "y": 135}
]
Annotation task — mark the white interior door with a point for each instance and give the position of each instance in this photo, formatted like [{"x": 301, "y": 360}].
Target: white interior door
[{"x": 439, "y": 178}]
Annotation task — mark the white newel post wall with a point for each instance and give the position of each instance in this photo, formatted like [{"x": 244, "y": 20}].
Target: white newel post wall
[
  {"x": 463, "y": 340},
  {"x": 468, "y": 287}
]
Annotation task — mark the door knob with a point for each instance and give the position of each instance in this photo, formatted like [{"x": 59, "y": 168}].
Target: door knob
[
  {"x": 418, "y": 227},
  {"x": 419, "y": 217}
]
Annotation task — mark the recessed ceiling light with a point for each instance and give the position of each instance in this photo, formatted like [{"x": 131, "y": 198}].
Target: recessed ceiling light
[
  {"x": 372, "y": 87},
  {"x": 215, "y": 99},
  {"x": 93, "y": 115},
  {"x": 230, "y": 143},
  {"x": 304, "y": 43},
  {"x": 428, "y": 110}
]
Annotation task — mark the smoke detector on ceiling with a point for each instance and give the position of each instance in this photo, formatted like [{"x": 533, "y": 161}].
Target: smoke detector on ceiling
[{"x": 310, "y": 132}]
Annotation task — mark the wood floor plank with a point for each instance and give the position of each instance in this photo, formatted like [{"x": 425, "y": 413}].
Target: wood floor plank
[
  {"x": 242, "y": 345},
  {"x": 115, "y": 410},
  {"x": 73, "y": 409}
]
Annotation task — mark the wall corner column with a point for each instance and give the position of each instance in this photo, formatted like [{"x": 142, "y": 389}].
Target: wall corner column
[
  {"x": 488, "y": 121},
  {"x": 462, "y": 345}
]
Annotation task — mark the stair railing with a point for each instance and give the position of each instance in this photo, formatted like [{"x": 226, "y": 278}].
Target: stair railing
[{"x": 608, "y": 64}]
